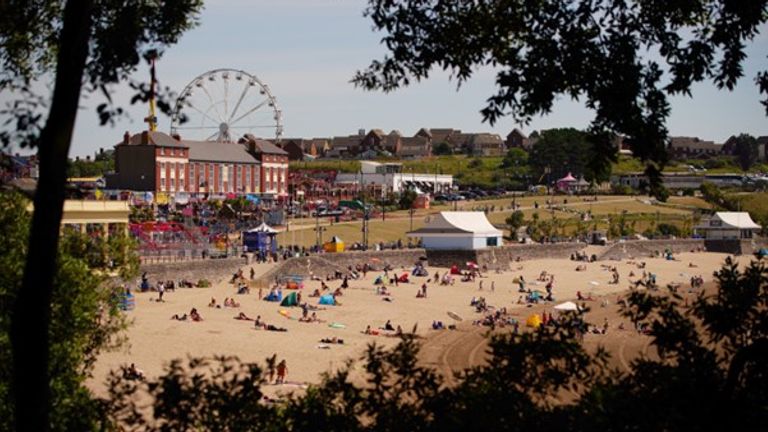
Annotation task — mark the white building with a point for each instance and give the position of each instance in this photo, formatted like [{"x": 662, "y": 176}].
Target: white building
[
  {"x": 458, "y": 230},
  {"x": 728, "y": 226},
  {"x": 389, "y": 177}
]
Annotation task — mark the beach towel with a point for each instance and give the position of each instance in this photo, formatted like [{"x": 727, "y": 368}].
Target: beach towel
[
  {"x": 337, "y": 325},
  {"x": 403, "y": 278}
]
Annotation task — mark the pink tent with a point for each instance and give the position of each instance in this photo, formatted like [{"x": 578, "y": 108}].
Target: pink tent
[{"x": 565, "y": 182}]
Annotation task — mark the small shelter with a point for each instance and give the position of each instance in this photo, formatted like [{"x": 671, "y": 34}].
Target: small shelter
[
  {"x": 566, "y": 183},
  {"x": 728, "y": 226},
  {"x": 262, "y": 239},
  {"x": 460, "y": 230},
  {"x": 335, "y": 244},
  {"x": 290, "y": 300}
]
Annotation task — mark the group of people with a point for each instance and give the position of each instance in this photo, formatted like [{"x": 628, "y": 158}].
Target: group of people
[
  {"x": 193, "y": 315},
  {"x": 228, "y": 302}
]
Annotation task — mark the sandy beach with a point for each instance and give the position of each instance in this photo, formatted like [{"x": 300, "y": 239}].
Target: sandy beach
[{"x": 155, "y": 339}]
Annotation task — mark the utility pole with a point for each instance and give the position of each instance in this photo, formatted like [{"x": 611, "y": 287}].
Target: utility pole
[{"x": 365, "y": 211}]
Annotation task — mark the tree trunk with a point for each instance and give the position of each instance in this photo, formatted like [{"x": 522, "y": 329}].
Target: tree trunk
[{"x": 32, "y": 308}]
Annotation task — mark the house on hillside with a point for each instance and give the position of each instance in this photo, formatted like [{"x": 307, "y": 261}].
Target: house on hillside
[
  {"x": 460, "y": 230},
  {"x": 414, "y": 148},
  {"x": 693, "y": 147},
  {"x": 485, "y": 144},
  {"x": 728, "y": 226},
  {"x": 344, "y": 146},
  {"x": 516, "y": 139},
  {"x": 297, "y": 148}
]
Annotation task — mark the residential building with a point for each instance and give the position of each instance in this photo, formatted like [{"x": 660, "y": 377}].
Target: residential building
[
  {"x": 157, "y": 162},
  {"x": 693, "y": 147},
  {"x": 485, "y": 144}
]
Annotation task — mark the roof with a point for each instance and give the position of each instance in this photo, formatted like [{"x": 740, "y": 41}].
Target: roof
[
  {"x": 213, "y": 151},
  {"x": 155, "y": 138},
  {"x": 457, "y": 222},
  {"x": 740, "y": 220},
  {"x": 264, "y": 146}
]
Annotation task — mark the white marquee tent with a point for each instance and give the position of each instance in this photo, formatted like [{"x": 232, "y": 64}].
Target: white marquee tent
[{"x": 464, "y": 230}]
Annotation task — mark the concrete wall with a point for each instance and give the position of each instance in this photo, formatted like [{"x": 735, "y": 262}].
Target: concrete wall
[
  {"x": 211, "y": 269},
  {"x": 647, "y": 248},
  {"x": 324, "y": 264}
]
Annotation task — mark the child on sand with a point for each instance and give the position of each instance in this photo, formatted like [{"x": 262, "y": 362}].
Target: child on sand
[{"x": 282, "y": 369}]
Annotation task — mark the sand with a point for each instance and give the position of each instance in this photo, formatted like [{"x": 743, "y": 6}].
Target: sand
[{"x": 155, "y": 339}]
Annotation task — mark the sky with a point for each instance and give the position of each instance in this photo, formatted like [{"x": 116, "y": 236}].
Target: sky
[{"x": 308, "y": 50}]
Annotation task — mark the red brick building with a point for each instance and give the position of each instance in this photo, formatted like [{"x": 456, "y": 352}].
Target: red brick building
[{"x": 160, "y": 163}]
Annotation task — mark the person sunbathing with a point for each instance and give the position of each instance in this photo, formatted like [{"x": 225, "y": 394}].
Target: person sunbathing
[
  {"x": 270, "y": 327},
  {"x": 333, "y": 340},
  {"x": 243, "y": 317},
  {"x": 371, "y": 332},
  {"x": 228, "y": 302},
  {"x": 337, "y": 293},
  {"x": 315, "y": 293},
  {"x": 581, "y": 267},
  {"x": 579, "y": 296},
  {"x": 195, "y": 316},
  {"x": 177, "y": 317},
  {"x": 213, "y": 304}
]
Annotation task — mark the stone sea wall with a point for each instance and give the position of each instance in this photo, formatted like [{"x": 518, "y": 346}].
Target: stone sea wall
[{"x": 324, "y": 264}]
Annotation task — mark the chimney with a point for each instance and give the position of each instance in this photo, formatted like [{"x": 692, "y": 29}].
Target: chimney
[
  {"x": 361, "y": 132},
  {"x": 101, "y": 150},
  {"x": 126, "y": 138},
  {"x": 145, "y": 137},
  {"x": 88, "y": 158}
]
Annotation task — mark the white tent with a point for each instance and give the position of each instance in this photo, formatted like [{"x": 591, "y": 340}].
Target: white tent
[
  {"x": 263, "y": 228},
  {"x": 458, "y": 230},
  {"x": 728, "y": 225},
  {"x": 567, "y": 306}
]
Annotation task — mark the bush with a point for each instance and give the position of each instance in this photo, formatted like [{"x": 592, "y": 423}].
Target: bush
[{"x": 668, "y": 230}]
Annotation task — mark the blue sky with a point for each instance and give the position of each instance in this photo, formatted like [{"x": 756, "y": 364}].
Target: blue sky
[{"x": 308, "y": 50}]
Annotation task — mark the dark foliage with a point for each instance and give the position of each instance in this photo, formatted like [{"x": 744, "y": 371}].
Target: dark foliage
[{"x": 596, "y": 52}]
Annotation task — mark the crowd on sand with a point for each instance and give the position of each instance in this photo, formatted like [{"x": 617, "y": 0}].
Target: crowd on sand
[{"x": 333, "y": 286}]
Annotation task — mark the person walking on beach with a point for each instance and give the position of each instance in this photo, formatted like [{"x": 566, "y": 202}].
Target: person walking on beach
[
  {"x": 282, "y": 369},
  {"x": 160, "y": 291},
  {"x": 270, "y": 361}
]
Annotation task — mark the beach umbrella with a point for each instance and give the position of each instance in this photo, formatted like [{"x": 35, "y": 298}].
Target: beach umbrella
[{"x": 567, "y": 306}]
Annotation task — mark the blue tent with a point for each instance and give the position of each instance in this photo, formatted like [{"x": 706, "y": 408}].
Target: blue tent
[
  {"x": 263, "y": 238},
  {"x": 327, "y": 300}
]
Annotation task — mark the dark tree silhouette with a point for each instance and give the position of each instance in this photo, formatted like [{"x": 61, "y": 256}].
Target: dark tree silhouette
[{"x": 80, "y": 45}]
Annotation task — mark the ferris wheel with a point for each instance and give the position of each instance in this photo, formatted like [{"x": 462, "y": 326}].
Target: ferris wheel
[{"x": 223, "y": 104}]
